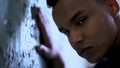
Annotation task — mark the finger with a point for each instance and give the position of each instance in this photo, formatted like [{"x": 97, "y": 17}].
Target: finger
[
  {"x": 48, "y": 29},
  {"x": 47, "y": 52},
  {"x": 42, "y": 49},
  {"x": 40, "y": 19}
]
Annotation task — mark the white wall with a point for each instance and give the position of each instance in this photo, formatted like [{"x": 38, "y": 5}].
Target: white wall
[{"x": 18, "y": 35}]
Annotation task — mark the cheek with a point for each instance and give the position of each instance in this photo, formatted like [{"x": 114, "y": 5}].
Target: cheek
[
  {"x": 102, "y": 31},
  {"x": 107, "y": 28},
  {"x": 102, "y": 34},
  {"x": 102, "y": 28},
  {"x": 105, "y": 32}
]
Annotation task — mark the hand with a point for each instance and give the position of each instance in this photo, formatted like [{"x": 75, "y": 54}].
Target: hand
[{"x": 50, "y": 37}]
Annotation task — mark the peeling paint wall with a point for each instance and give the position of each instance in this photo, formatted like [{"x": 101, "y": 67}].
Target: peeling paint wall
[{"x": 19, "y": 35}]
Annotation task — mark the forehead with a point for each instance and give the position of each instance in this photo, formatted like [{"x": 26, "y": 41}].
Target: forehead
[{"x": 65, "y": 9}]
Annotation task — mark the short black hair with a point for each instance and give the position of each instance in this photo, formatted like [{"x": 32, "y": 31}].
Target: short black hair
[{"x": 52, "y": 3}]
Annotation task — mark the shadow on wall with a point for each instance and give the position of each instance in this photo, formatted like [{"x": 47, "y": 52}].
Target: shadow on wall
[{"x": 12, "y": 13}]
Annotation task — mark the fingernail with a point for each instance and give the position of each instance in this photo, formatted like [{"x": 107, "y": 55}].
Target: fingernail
[{"x": 38, "y": 49}]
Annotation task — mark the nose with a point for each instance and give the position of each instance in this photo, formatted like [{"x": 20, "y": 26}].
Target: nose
[{"x": 75, "y": 37}]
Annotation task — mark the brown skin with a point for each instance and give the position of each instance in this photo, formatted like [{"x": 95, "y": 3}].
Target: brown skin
[{"x": 94, "y": 30}]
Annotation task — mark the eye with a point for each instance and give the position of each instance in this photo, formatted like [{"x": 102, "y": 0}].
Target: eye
[
  {"x": 66, "y": 32},
  {"x": 81, "y": 20}
]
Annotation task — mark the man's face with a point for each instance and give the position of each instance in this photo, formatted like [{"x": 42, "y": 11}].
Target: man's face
[{"x": 89, "y": 26}]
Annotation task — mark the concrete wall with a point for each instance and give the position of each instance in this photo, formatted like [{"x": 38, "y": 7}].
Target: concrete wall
[{"x": 19, "y": 34}]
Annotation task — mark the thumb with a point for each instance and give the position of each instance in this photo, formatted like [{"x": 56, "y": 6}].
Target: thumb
[
  {"x": 42, "y": 49},
  {"x": 45, "y": 51}
]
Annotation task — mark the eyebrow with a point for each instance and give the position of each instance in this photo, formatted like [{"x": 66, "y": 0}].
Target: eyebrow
[{"x": 76, "y": 15}]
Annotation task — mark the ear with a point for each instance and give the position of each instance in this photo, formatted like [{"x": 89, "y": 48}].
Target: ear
[{"x": 114, "y": 7}]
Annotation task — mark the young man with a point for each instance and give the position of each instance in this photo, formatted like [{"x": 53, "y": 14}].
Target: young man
[{"x": 92, "y": 27}]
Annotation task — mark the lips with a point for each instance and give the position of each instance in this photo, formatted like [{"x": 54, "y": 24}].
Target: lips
[{"x": 84, "y": 52}]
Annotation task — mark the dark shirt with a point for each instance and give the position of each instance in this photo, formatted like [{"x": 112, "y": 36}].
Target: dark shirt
[
  {"x": 113, "y": 59},
  {"x": 102, "y": 64}
]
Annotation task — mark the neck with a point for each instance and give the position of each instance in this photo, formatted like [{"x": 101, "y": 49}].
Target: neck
[
  {"x": 116, "y": 44},
  {"x": 117, "y": 41}
]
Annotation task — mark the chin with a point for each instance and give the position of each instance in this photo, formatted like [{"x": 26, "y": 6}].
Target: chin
[{"x": 92, "y": 60}]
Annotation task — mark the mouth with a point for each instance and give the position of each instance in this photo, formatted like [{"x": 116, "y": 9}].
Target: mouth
[{"x": 86, "y": 51}]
